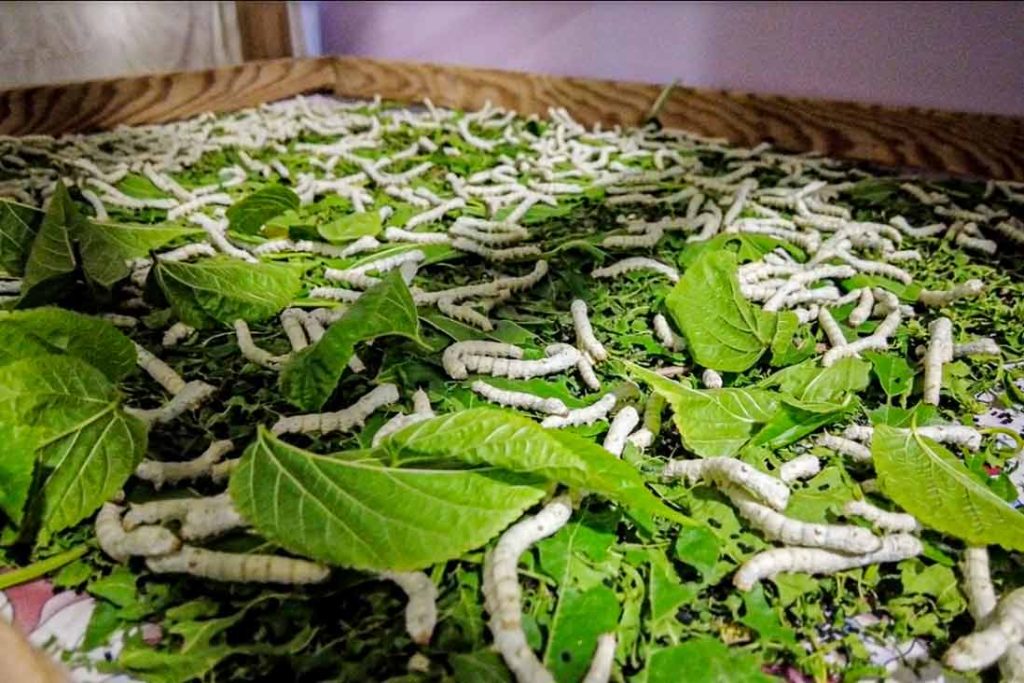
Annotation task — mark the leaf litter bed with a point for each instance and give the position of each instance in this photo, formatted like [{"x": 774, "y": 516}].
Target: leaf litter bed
[{"x": 347, "y": 391}]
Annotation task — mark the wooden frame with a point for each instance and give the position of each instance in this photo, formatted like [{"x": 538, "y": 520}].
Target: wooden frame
[{"x": 946, "y": 142}]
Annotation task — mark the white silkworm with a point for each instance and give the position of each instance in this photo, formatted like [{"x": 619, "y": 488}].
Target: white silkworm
[
  {"x": 505, "y": 254},
  {"x": 343, "y": 420},
  {"x": 465, "y": 314},
  {"x": 974, "y": 243},
  {"x": 421, "y": 609},
  {"x": 492, "y": 288},
  {"x": 981, "y": 600},
  {"x": 191, "y": 396},
  {"x": 399, "y": 235},
  {"x": 253, "y": 353},
  {"x": 665, "y": 336},
  {"x": 636, "y": 263},
  {"x": 397, "y": 424},
  {"x": 900, "y": 223},
  {"x": 359, "y": 246},
  {"x": 601, "y": 663},
  {"x": 739, "y": 199},
  {"x": 852, "y": 449},
  {"x": 453, "y": 357},
  {"x": 222, "y": 470},
  {"x": 859, "y": 432},
  {"x": 711, "y": 379},
  {"x": 503, "y": 596},
  {"x": 587, "y": 374},
  {"x": 160, "y": 371},
  {"x": 585, "y": 338},
  {"x": 862, "y": 310},
  {"x": 216, "y": 231},
  {"x": 769, "y": 563},
  {"x": 831, "y": 328},
  {"x": 492, "y": 236},
  {"x": 435, "y": 214},
  {"x": 1012, "y": 229},
  {"x": 895, "y": 522},
  {"x": 119, "y": 544},
  {"x": 354, "y": 277},
  {"x": 773, "y": 492},
  {"x": 944, "y": 297},
  {"x": 520, "y": 399},
  {"x": 238, "y": 567},
  {"x": 159, "y": 473},
  {"x": 118, "y": 320},
  {"x": 982, "y": 346},
  {"x": 292, "y": 323},
  {"x": 176, "y": 333},
  {"x": 799, "y": 281},
  {"x": 622, "y": 424},
  {"x": 207, "y": 517},
  {"x": 582, "y": 416},
  {"x": 156, "y": 512},
  {"x": 778, "y": 527},
  {"x": 559, "y": 357},
  {"x": 878, "y": 340},
  {"x": 97, "y": 205},
  {"x": 982, "y": 648},
  {"x": 335, "y": 294},
  {"x": 649, "y": 238},
  {"x": 280, "y": 169},
  {"x": 940, "y": 351},
  {"x": 187, "y": 251},
  {"x": 800, "y": 467},
  {"x": 197, "y": 203}
]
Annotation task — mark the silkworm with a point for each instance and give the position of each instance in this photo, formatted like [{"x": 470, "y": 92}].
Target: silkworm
[
  {"x": 421, "y": 411},
  {"x": 582, "y": 416},
  {"x": 622, "y": 424},
  {"x": 711, "y": 379},
  {"x": 159, "y": 473},
  {"x": 119, "y": 544},
  {"x": 340, "y": 421},
  {"x": 335, "y": 294},
  {"x": 253, "y": 353},
  {"x": 981, "y": 600},
  {"x": 852, "y": 449},
  {"x": 778, "y": 527},
  {"x": 187, "y": 251},
  {"x": 800, "y": 467},
  {"x": 898, "y": 522},
  {"x": 831, "y": 328},
  {"x": 176, "y": 333},
  {"x": 900, "y": 223},
  {"x": 292, "y": 323},
  {"x": 636, "y": 263},
  {"x": 940, "y": 351},
  {"x": 982, "y": 346},
  {"x": 650, "y": 238},
  {"x": 503, "y": 596},
  {"x": 492, "y": 288},
  {"x": 862, "y": 310},
  {"x": 238, "y": 567},
  {"x": 601, "y": 663},
  {"x": 119, "y": 320},
  {"x": 160, "y": 371},
  {"x": 974, "y": 243},
  {"x": 435, "y": 214},
  {"x": 197, "y": 203},
  {"x": 771, "y": 491},
  {"x": 878, "y": 340},
  {"x": 505, "y": 254},
  {"x": 585, "y": 338},
  {"x": 359, "y": 246},
  {"x": 664, "y": 334},
  {"x": 465, "y": 314},
  {"x": 216, "y": 232},
  {"x": 354, "y": 277},
  {"x": 207, "y": 517},
  {"x": 520, "y": 399},
  {"x": 560, "y": 357},
  {"x": 1003, "y": 627},
  {"x": 587, "y": 374},
  {"x": 769, "y": 563},
  {"x": 399, "y": 235},
  {"x": 421, "y": 609},
  {"x": 453, "y": 357},
  {"x": 98, "y": 209},
  {"x": 944, "y": 297}
]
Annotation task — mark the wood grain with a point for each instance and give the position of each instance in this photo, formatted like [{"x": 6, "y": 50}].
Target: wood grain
[
  {"x": 98, "y": 105},
  {"x": 945, "y": 142},
  {"x": 968, "y": 144},
  {"x": 264, "y": 30}
]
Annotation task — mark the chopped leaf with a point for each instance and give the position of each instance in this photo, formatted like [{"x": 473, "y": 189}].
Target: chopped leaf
[
  {"x": 310, "y": 377},
  {"x": 895, "y": 375},
  {"x": 16, "y": 468},
  {"x": 222, "y": 290},
  {"x": 351, "y": 227},
  {"x": 18, "y": 225},
  {"x": 580, "y": 617},
  {"x": 105, "y": 247},
  {"x": 930, "y": 483},
  {"x": 704, "y": 660},
  {"x": 248, "y": 215},
  {"x": 723, "y": 330},
  {"x": 358, "y": 513}
]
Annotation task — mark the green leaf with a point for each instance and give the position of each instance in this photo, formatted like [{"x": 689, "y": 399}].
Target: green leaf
[
  {"x": 309, "y": 378},
  {"x": 482, "y": 666},
  {"x": 784, "y": 350},
  {"x": 894, "y": 416},
  {"x": 87, "y": 446},
  {"x": 764, "y": 619},
  {"x": 930, "y": 483},
  {"x": 16, "y": 468},
  {"x": 699, "y": 548},
  {"x": 106, "y": 247},
  {"x": 248, "y": 215},
  {"x": 18, "y": 225},
  {"x": 667, "y": 593},
  {"x": 360, "y": 514},
  {"x": 504, "y": 439},
  {"x": 704, "y": 660},
  {"x": 222, "y": 290},
  {"x": 579, "y": 618},
  {"x": 823, "y": 495},
  {"x": 809, "y": 384},
  {"x": 895, "y": 375},
  {"x": 936, "y": 581},
  {"x": 351, "y": 227},
  {"x": 723, "y": 330},
  {"x": 579, "y": 554},
  {"x": 51, "y": 330},
  {"x": 52, "y": 255},
  {"x": 747, "y": 247}
]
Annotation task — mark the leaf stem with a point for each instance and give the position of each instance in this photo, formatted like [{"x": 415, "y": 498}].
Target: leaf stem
[{"x": 41, "y": 568}]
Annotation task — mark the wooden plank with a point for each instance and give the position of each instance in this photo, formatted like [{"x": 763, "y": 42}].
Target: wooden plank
[
  {"x": 98, "y": 105},
  {"x": 264, "y": 30},
  {"x": 969, "y": 144}
]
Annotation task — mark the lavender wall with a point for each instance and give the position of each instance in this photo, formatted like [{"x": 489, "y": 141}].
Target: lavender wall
[{"x": 962, "y": 56}]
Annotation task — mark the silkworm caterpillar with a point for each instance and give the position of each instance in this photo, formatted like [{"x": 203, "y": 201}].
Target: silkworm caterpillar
[
  {"x": 118, "y": 320},
  {"x": 397, "y": 424},
  {"x": 649, "y": 238},
  {"x": 495, "y": 234},
  {"x": 944, "y": 297},
  {"x": 520, "y": 399},
  {"x": 601, "y": 663},
  {"x": 636, "y": 263},
  {"x": 587, "y": 374},
  {"x": 582, "y": 416},
  {"x": 982, "y": 346},
  {"x": 981, "y": 600},
  {"x": 453, "y": 357},
  {"x": 800, "y": 467},
  {"x": 435, "y": 214},
  {"x": 187, "y": 251},
  {"x": 898, "y": 522},
  {"x": 505, "y": 254},
  {"x": 465, "y": 314},
  {"x": 852, "y": 449},
  {"x": 421, "y": 609},
  {"x": 559, "y": 357},
  {"x": 292, "y": 323},
  {"x": 503, "y": 596},
  {"x": 356, "y": 278},
  {"x": 159, "y": 473},
  {"x": 176, "y": 333},
  {"x": 335, "y": 293},
  {"x": 492, "y": 288},
  {"x": 778, "y": 527},
  {"x": 585, "y": 338},
  {"x": 622, "y": 424},
  {"x": 97, "y": 205},
  {"x": 711, "y": 379},
  {"x": 238, "y": 567},
  {"x": 160, "y": 371},
  {"x": 197, "y": 203},
  {"x": 342, "y": 420},
  {"x": 206, "y": 517},
  {"x": 361, "y": 245},
  {"x": 392, "y": 234},
  {"x": 769, "y": 563},
  {"x": 940, "y": 351},
  {"x": 831, "y": 328},
  {"x": 878, "y": 340},
  {"x": 665, "y": 336},
  {"x": 119, "y": 544},
  {"x": 900, "y": 223},
  {"x": 862, "y": 310},
  {"x": 773, "y": 492},
  {"x": 982, "y": 648},
  {"x": 253, "y": 353}
]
